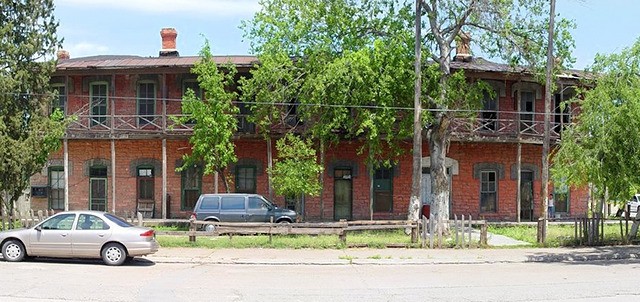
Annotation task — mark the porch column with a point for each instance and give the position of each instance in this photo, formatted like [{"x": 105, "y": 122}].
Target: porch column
[
  {"x": 113, "y": 175},
  {"x": 65, "y": 150},
  {"x": 164, "y": 178}
]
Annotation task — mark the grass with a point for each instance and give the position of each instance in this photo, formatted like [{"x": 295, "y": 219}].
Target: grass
[
  {"x": 371, "y": 239},
  {"x": 557, "y": 235}
]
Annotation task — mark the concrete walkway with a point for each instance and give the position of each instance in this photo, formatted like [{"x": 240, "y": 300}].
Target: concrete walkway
[{"x": 401, "y": 256}]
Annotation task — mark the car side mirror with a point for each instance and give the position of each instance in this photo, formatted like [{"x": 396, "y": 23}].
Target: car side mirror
[{"x": 38, "y": 228}]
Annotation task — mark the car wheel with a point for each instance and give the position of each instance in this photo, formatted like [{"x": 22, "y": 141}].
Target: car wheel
[
  {"x": 209, "y": 227},
  {"x": 13, "y": 251},
  {"x": 114, "y": 254}
]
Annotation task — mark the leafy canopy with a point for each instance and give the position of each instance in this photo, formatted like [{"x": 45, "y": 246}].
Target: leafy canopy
[
  {"x": 602, "y": 147},
  {"x": 295, "y": 171},
  {"x": 214, "y": 117},
  {"x": 28, "y": 133}
]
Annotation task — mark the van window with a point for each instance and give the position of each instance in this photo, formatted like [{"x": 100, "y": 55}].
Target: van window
[
  {"x": 210, "y": 203},
  {"x": 233, "y": 203},
  {"x": 256, "y": 203}
]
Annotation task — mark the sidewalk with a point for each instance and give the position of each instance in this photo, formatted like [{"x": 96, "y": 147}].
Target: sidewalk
[{"x": 401, "y": 256}]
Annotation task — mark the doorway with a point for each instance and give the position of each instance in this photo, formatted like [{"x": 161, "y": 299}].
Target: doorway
[
  {"x": 526, "y": 195},
  {"x": 342, "y": 193}
]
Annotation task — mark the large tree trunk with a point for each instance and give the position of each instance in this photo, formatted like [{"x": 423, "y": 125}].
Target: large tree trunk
[
  {"x": 438, "y": 145},
  {"x": 322, "y": 159}
]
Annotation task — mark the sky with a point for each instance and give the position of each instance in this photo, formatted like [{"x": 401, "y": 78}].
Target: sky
[{"x": 132, "y": 27}]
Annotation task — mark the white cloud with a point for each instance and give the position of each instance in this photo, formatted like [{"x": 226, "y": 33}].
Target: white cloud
[
  {"x": 84, "y": 49},
  {"x": 200, "y": 7}
]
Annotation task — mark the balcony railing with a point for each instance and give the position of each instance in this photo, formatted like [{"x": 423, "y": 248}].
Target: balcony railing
[{"x": 487, "y": 129}]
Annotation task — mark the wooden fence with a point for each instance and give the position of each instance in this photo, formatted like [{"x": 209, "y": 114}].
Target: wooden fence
[
  {"x": 31, "y": 218},
  {"x": 26, "y": 220},
  {"x": 461, "y": 230}
]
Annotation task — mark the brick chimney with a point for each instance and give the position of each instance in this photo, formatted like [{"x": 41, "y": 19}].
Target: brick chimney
[
  {"x": 168, "y": 42},
  {"x": 63, "y": 55},
  {"x": 463, "y": 48}
]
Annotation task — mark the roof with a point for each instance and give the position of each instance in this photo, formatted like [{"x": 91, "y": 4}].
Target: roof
[
  {"x": 109, "y": 62},
  {"x": 483, "y": 65},
  {"x": 113, "y": 62}
]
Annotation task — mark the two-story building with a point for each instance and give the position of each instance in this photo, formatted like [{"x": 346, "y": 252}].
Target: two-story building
[{"x": 122, "y": 150}]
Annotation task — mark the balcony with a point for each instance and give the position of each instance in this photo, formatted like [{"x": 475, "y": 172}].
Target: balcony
[{"x": 503, "y": 130}]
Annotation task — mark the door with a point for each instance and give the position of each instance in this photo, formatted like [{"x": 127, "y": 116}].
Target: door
[
  {"x": 526, "y": 195},
  {"x": 98, "y": 194},
  {"x": 342, "y": 193},
  {"x": 90, "y": 234},
  {"x": 233, "y": 208},
  {"x": 527, "y": 108},
  {"x": 54, "y": 237},
  {"x": 257, "y": 210},
  {"x": 425, "y": 189}
]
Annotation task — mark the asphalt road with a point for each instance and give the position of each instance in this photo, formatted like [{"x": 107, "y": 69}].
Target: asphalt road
[{"x": 144, "y": 280}]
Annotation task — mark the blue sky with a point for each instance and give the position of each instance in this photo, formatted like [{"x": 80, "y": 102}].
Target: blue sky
[{"x": 132, "y": 27}]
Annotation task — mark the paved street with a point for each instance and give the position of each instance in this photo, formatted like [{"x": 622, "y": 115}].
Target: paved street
[{"x": 330, "y": 275}]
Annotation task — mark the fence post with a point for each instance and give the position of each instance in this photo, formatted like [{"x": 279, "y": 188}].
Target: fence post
[
  {"x": 270, "y": 227},
  {"x": 470, "y": 229},
  {"x": 343, "y": 234},
  {"x": 192, "y": 230},
  {"x": 140, "y": 222},
  {"x": 424, "y": 231},
  {"x": 431, "y": 230},
  {"x": 483, "y": 234},
  {"x": 455, "y": 225}
]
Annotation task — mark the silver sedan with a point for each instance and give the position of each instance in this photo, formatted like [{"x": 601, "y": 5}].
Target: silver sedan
[{"x": 80, "y": 234}]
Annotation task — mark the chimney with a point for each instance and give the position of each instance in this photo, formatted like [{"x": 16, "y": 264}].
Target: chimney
[
  {"x": 463, "y": 48},
  {"x": 63, "y": 55},
  {"x": 168, "y": 42}
]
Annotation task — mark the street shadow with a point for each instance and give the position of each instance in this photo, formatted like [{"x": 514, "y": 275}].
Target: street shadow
[
  {"x": 141, "y": 262},
  {"x": 605, "y": 255}
]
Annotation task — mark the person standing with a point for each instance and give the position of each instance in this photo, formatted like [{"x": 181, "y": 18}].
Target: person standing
[{"x": 551, "y": 209}]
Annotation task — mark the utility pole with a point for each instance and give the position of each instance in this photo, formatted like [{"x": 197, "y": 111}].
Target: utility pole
[
  {"x": 542, "y": 234},
  {"x": 414, "y": 203}
]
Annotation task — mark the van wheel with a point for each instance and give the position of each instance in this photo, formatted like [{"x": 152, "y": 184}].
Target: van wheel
[
  {"x": 13, "y": 251},
  {"x": 209, "y": 227}
]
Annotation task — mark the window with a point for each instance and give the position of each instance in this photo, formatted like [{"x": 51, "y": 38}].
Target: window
[
  {"x": 59, "y": 222},
  {"x": 490, "y": 111},
  {"x": 191, "y": 187},
  {"x": 488, "y": 191},
  {"x": 245, "y": 179},
  {"x": 256, "y": 203},
  {"x": 192, "y": 85},
  {"x": 561, "y": 116},
  {"x": 60, "y": 101},
  {"x": 56, "y": 185},
  {"x": 210, "y": 203},
  {"x": 383, "y": 190},
  {"x": 244, "y": 126},
  {"x": 232, "y": 203},
  {"x": 91, "y": 222},
  {"x": 145, "y": 183},
  {"x": 99, "y": 97},
  {"x": 146, "y": 102}
]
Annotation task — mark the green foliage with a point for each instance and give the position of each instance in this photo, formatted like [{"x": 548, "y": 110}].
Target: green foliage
[
  {"x": 214, "y": 117},
  {"x": 602, "y": 147},
  {"x": 346, "y": 64},
  {"x": 296, "y": 170},
  {"x": 28, "y": 133}
]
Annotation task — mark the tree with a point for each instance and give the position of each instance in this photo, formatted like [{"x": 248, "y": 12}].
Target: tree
[
  {"x": 512, "y": 30},
  {"x": 343, "y": 64},
  {"x": 601, "y": 147},
  {"x": 295, "y": 172},
  {"x": 28, "y": 132},
  {"x": 214, "y": 117}
]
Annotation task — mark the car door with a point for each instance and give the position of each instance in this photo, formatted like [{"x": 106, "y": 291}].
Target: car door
[
  {"x": 233, "y": 208},
  {"x": 52, "y": 238},
  {"x": 90, "y": 233},
  {"x": 257, "y": 210}
]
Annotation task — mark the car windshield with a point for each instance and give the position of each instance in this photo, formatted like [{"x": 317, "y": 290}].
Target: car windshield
[
  {"x": 271, "y": 204},
  {"x": 117, "y": 220}
]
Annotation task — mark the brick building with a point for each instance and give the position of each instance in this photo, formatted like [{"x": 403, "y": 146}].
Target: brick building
[{"x": 122, "y": 151}]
